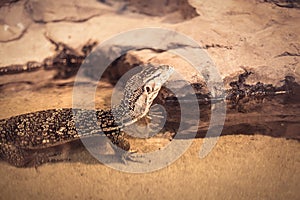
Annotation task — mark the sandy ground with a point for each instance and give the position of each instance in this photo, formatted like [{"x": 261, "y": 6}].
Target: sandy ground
[
  {"x": 243, "y": 33},
  {"x": 239, "y": 167}
]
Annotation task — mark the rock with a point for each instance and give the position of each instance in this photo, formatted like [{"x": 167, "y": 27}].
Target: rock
[
  {"x": 14, "y": 21},
  {"x": 73, "y": 11}
]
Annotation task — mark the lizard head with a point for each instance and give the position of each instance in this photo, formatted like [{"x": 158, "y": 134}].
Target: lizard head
[{"x": 142, "y": 88}]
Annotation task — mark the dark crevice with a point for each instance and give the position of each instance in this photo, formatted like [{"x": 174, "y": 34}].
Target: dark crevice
[
  {"x": 66, "y": 61},
  {"x": 16, "y": 38},
  {"x": 220, "y": 46},
  {"x": 172, "y": 46},
  {"x": 66, "y": 20},
  {"x": 7, "y": 2},
  {"x": 285, "y": 3},
  {"x": 16, "y": 82},
  {"x": 286, "y": 53}
]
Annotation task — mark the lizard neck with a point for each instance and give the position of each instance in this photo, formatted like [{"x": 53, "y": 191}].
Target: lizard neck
[{"x": 123, "y": 114}]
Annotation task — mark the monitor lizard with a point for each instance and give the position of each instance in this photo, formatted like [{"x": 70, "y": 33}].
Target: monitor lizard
[{"x": 21, "y": 135}]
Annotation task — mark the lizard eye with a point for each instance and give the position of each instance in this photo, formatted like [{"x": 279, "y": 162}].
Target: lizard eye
[{"x": 148, "y": 89}]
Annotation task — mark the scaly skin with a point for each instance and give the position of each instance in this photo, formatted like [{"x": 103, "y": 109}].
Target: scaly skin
[
  {"x": 25, "y": 138},
  {"x": 19, "y": 135}
]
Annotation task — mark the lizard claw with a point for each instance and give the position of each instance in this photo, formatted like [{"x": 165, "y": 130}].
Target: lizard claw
[{"x": 131, "y": 156}]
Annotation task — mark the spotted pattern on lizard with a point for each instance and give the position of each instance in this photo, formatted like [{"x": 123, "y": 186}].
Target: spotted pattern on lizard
[{"x": 23, "y": 134}]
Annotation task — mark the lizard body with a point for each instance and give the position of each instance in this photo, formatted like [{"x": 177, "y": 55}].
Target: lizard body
[{"x": 20, "y": 135}]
